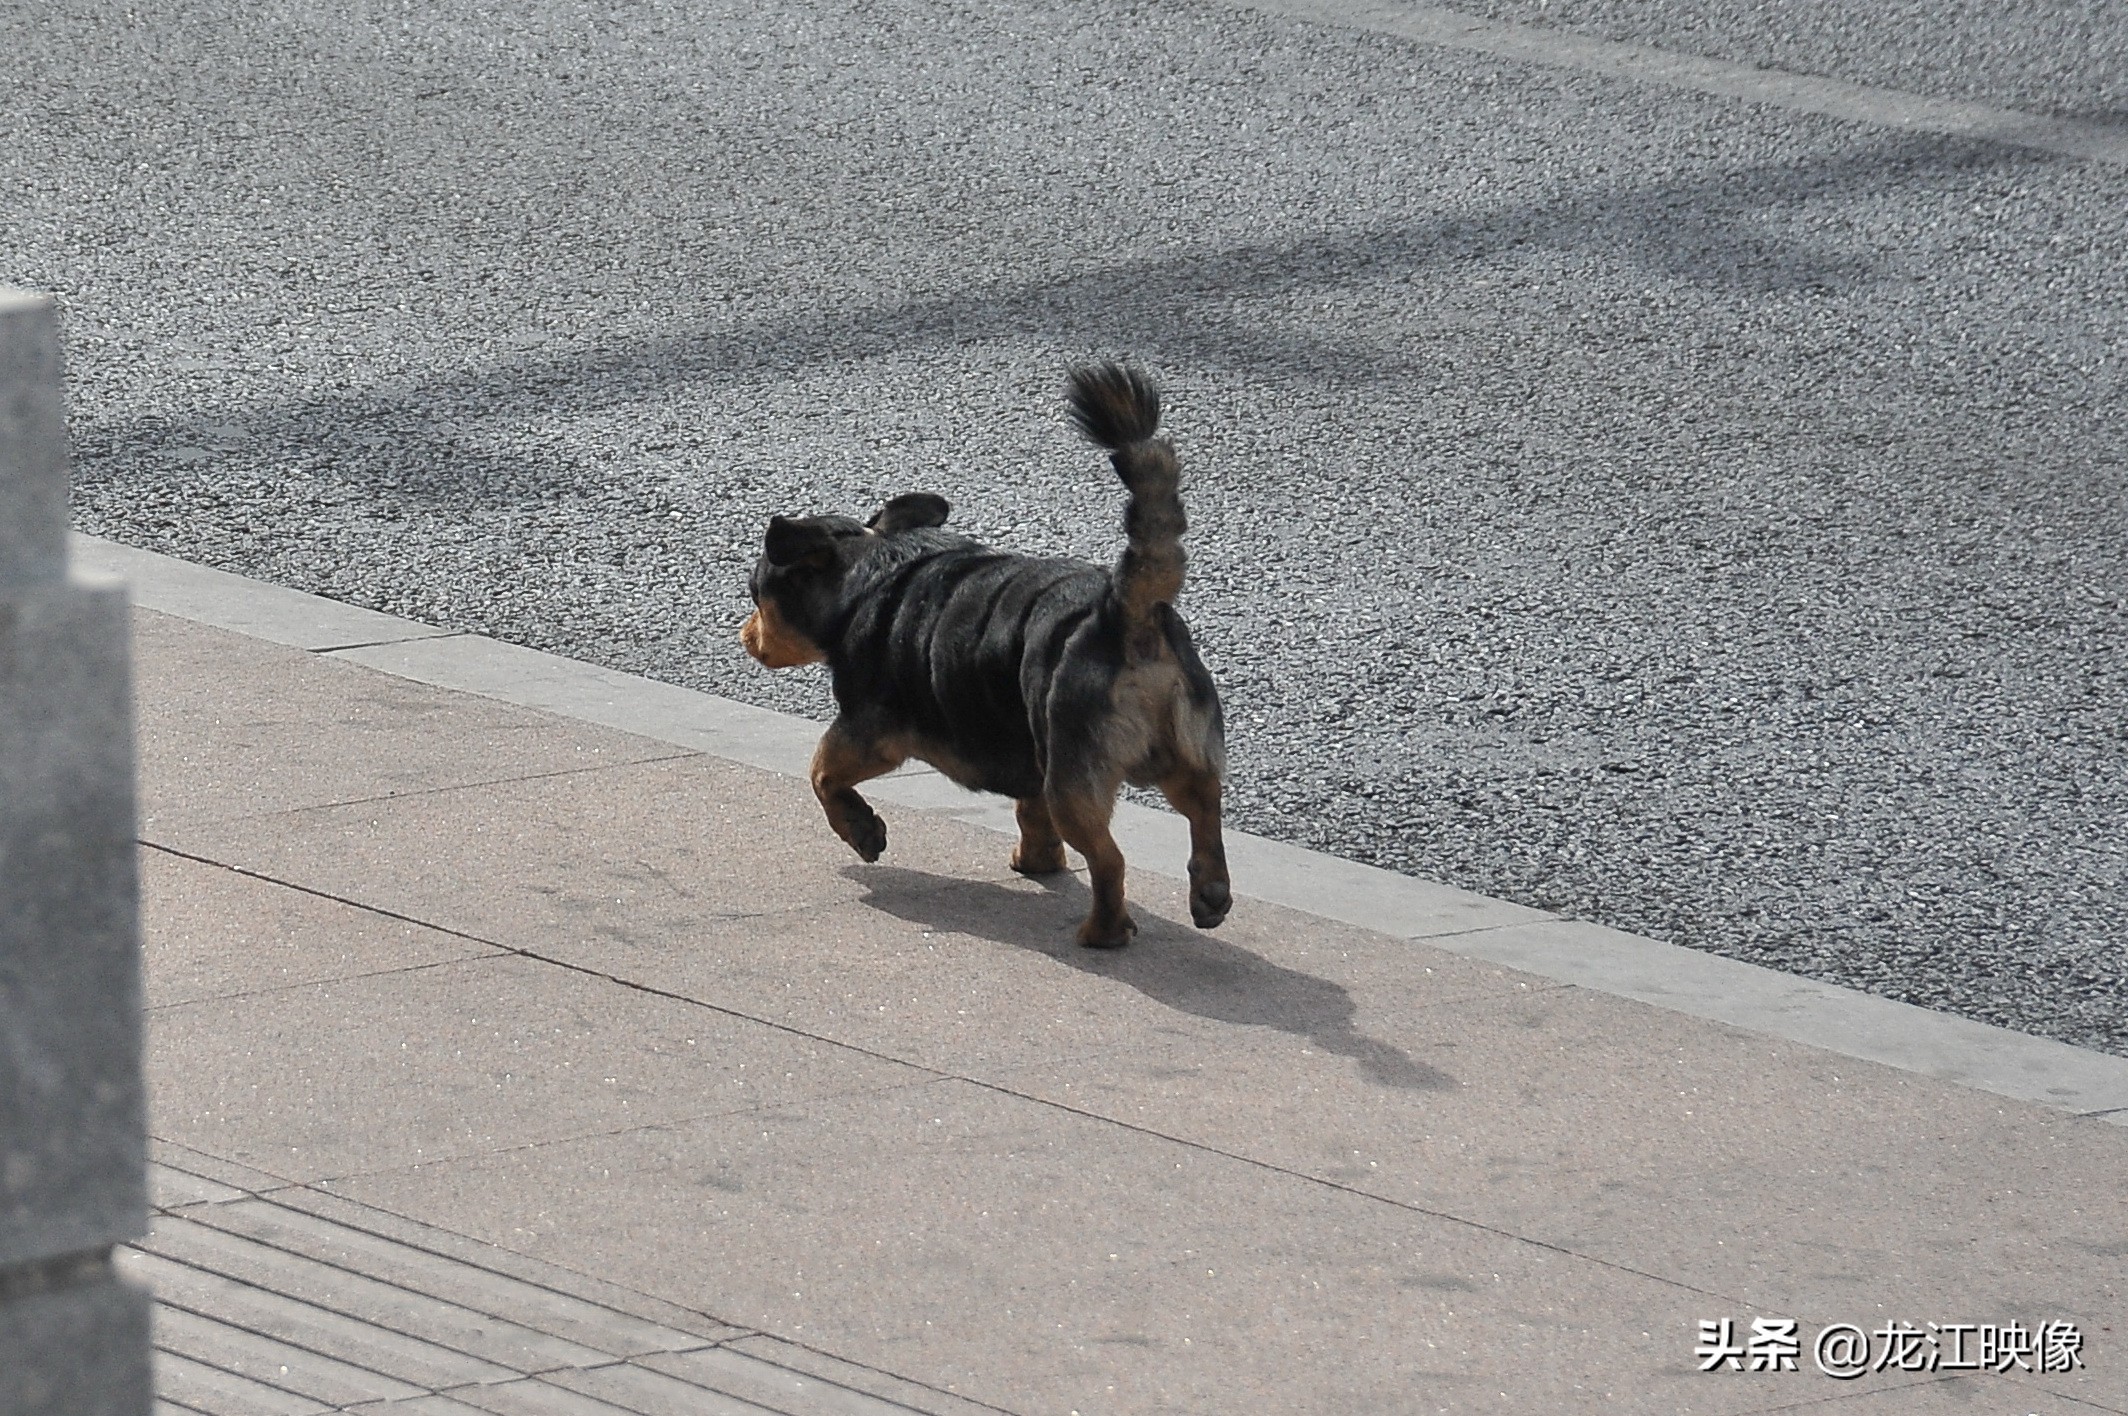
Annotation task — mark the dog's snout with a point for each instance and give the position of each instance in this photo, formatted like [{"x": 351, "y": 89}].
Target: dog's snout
[{"x": 774, "y": 643}]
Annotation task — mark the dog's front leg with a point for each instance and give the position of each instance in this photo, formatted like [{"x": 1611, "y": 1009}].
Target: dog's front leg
[{"x": 844, "y": 758}]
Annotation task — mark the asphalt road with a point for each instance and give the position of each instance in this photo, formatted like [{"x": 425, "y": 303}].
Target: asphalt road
[{"x": 1699, "y": 516}]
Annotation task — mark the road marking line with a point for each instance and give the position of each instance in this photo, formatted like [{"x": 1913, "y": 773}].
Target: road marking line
[{"x": 1801, "y": 93}]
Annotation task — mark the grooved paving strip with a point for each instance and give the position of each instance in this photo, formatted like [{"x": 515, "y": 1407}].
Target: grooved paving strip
[{"x": 302, "y": 1302}]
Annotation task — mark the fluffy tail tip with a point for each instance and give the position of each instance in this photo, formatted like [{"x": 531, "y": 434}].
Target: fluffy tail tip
[{"x": 1114, "y": 405}]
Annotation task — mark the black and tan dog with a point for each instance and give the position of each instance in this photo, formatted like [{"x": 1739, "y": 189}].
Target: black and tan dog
[{"x": 1050, "y": 681}]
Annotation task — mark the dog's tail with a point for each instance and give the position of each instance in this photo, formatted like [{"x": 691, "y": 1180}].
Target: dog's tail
[{"x": 1119, "y": 409}]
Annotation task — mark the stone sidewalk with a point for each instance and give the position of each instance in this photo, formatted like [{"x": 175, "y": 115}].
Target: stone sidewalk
[{"x": 501, "y": 1061}]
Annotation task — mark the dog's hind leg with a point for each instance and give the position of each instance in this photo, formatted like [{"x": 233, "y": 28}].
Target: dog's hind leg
[
  {"x": 1082, "y": 819},
  {"x": 1196, "y": 795},
  {"x": 1041, "y": 849},
  {"x": 843, "y": 759}
]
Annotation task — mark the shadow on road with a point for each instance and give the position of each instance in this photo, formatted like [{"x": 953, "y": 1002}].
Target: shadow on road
[
  {"x": 1181, "y": 968},
  {"x": 1193, "y": 309}
]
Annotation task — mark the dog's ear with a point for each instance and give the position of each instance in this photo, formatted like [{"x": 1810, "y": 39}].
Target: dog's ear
[
  {"x": 910, "y": 511},
  {"x": 794, "y": 542}
]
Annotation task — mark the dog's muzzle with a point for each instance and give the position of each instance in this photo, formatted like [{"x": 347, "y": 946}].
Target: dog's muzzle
[{"x": 774, "y": 643}]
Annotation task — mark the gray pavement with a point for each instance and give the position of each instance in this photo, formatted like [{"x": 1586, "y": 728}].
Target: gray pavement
[{"x": 505, "y": 1059}]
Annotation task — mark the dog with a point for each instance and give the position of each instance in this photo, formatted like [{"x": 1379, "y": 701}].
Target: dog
[{"x": 1046, "y": 680}]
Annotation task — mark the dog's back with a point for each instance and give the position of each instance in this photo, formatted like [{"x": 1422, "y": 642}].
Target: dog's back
[
  {"x": 951, "y": 642},
  {"x": 1005, "y": 669}
]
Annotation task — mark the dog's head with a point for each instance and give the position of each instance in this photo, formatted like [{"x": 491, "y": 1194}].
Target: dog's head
[{"x": 798, "y": 580}]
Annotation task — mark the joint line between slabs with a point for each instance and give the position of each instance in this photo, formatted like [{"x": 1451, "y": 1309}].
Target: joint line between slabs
[
  {"x": 383, "y": 913},
  {"x": 284, "y": 1182},
  {"x": 1306, "y": 1178},
  {"x": 679, "y": 754},
  {"x": 311, "y": 983},
  {"x": 698, "y": 1343},
  {"x": 355, "y": 1318},
  {"x": 161, "y": 1301},
  {"x": 860, "y": 1366},
  {"x": 548, "y": 959},
  {"x": 175, "y": 1405},
  {"x": 316, "y": 893},
  {"x": 326, "y": 649},
  {"x": 635, "y": 1363},
  {"x": 935, "y": 1074}
]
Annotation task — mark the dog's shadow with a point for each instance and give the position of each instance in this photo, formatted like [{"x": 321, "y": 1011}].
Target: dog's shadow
[{"x": 1184, "y": 969}]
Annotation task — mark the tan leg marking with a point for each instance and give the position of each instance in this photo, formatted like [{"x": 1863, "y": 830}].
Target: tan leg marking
[
  {"x": 842, "y": 760},
  {"x": 1041, "y": 849},
  {"x": 1083, "y": 821}
]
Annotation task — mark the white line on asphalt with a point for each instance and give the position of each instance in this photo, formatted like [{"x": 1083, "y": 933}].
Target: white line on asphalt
[{"x": 1802, "y": 93}]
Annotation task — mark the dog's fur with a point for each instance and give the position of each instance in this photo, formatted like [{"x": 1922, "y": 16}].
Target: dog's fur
[{"x": 1050, "y": 681}]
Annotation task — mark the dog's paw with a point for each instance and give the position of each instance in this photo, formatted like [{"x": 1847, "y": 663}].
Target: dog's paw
[
  {"x": 868, "y": 835},
  {"x": 1209, "y": 902},
  {"x": 1110, "y": 934},
  {"x": 1037, "y": 863}
]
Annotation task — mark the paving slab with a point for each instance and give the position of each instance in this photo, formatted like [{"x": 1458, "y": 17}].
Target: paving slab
[
  {"x": 187, "y": 1384},
  {"x": 170, "y": 1190},
  {"x": 622, "y": 1321},
  {"x": 212, "y": 932},
  {"x": 234, "y": 726},
  {"x": 469, "y": 1073},
  {"x": 1785, "y": 1180},
  {"x": 1034, "y": 1259},
  {"x": 327, "y": 1240},
  {"x": 416, "y": 1406},
  {"x": 380, "y": 1347},
  {"x": 539, "y": 1396},
  {"x": 966, "y": 977},
  {"x": 809, "y": 1361},
  {"x": 1823, "y": 1015},
  {"x": 299, "y": 1300},
  {"x": 396, "y": 1069},
  {"x": 181, "y": 1178},
  {"x": 773, "y": 1384},
  {"x": 633, "y": 852},
  {"x": 1940, "y": 1396},
  {"x": 270, "y": 1360},
  {"x": 295, "y": 1274}
]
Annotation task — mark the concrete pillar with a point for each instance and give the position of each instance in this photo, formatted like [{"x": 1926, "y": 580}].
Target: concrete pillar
[{"x": 73, "y": 1337}]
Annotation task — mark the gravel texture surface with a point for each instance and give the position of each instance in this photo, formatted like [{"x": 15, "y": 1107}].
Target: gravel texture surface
[{"x": 1696, "y": 517}]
